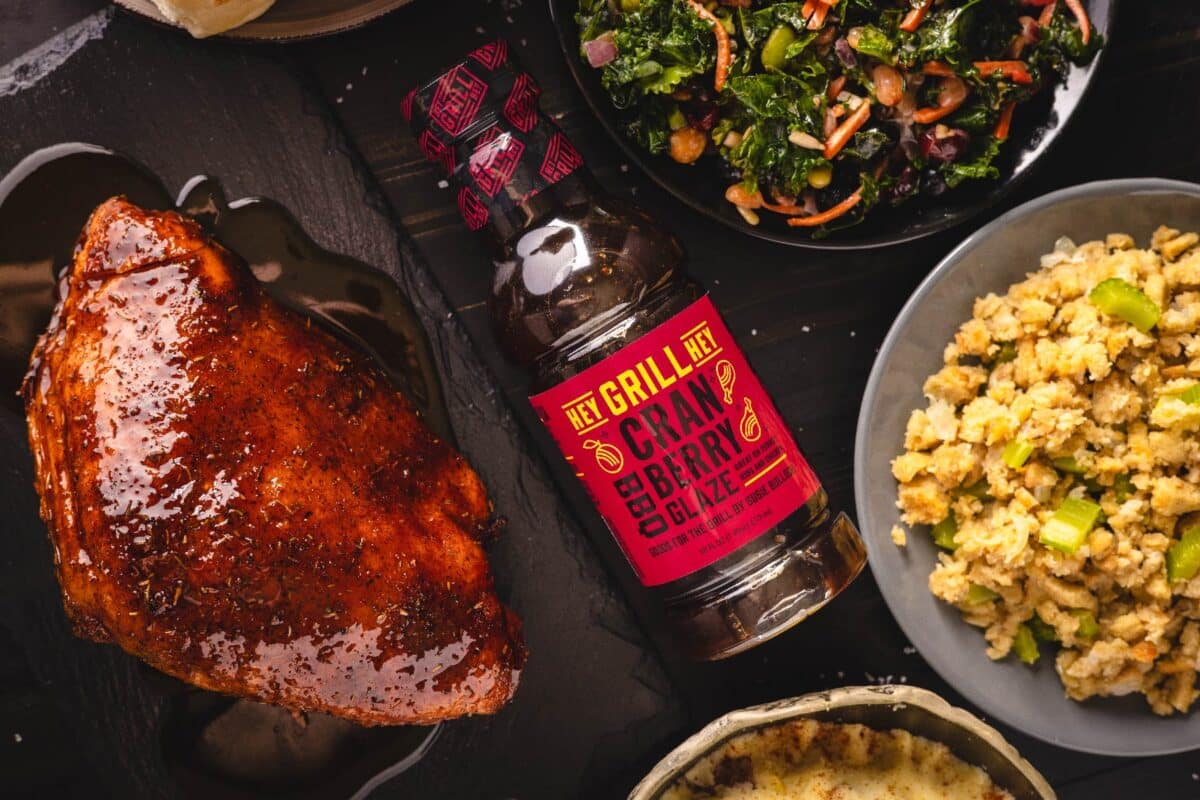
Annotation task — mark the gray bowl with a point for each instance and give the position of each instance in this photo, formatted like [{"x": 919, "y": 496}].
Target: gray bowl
[
  {"x": 908, "y": 708},
  {"x": 993, "y": 258}
]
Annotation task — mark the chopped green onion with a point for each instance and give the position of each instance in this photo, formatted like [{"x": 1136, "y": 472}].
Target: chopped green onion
[
  {"x": 774, "y": 52},
  {"x": 1183, "y": 557},
  {"x": 1087, "y": 627},
  {"x": 1025, "y": 646},
  {"x": 1122, "y": 299},
  {"x": 1069, "y": 465},
  {"x": 1191, "y": 395},
  {"x": 1122, "y": 487},
  {"x": 1042, "y": 630},
  {"x": 1017, "y": 453},
  {"x": 1006, "y": 353},
  {"x": 980, "y": 489},
  {"x": 1070, "y": 525},
  {"x": 943, "y": 533},
  {"x": 676, "y": 120},
  {"x": 978, "y": 595}
]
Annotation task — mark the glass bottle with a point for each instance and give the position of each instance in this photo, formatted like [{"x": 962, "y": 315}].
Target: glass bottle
[{"x": 634, "y": 373}]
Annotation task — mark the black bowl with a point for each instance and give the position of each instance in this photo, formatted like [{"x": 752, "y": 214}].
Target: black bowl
[{"x": 702, "y": 185}]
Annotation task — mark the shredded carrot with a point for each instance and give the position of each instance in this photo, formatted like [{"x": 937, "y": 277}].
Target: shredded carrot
[
  {"x": 1085, "y": 24},
  {"x": 838, "y": 111},
  {"x": 1005, "y": 122},
  {"x": 724, "y": 52},
  {"x": 808, "y": 8},
  {"x": 829, "y": 214},
  {"x": 1013, "y": 70},
  {"x": 841, "y": 135},
  {"x": 835, "y": 87},
  {"x": 1015, "y": 48},
  {"x": 924, "y": 116},
  {"x": 1047, "y": 14},
  {"x": 914, "y": 18},
  {"x": 787, "y": 209},
  {"x": 939, "y": 68},
  {"x": 817, "y": 20}
]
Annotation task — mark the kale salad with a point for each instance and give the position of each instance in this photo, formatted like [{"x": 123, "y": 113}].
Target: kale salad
[{"x": 824, "y": 109}]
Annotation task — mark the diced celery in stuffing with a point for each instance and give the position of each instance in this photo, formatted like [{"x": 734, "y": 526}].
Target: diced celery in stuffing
[
  {"x": 1183, "y": 557},
  {"x": 978, "y": 595},
  {"x": 980, "y": 489},
  {"x": 1017, "y": 453},
  {"x": 1087, "y": 627},
  {"x": 1070, "y": 525},
  {"x": 943, "y": 533},
  {"x": 1025, "y": 646},
  {"x": 1122, "y": 487},
  {"x": 1042, "y": 630},
  {"x": 1069, "y": 465},
  {"x": 1124, "y": 300},
  {"x": 1006, "y": 353}
]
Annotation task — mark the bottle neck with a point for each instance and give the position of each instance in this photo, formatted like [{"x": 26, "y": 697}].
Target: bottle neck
[
  {"x": 573, "y": 264},
  {"x": 509, "y": 173},
  {"x": 511, "y": 217}
]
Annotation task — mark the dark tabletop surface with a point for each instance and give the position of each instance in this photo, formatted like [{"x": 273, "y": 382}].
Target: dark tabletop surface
[{"x": 316, "y": 125}]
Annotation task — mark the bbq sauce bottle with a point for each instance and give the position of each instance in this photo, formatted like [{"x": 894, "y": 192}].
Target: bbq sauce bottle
[{"x": 635, "y": 375}]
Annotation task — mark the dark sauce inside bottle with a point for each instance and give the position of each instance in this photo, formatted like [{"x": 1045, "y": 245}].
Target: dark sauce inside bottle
[
  {"x": 579, "y": 277},
  {"x": 215, "y": 745}
]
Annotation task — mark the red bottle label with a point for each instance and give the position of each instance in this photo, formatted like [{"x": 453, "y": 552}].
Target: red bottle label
[{"x": 681, "y": 449}]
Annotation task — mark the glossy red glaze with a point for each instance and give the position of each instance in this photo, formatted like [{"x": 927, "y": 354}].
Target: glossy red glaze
[{"x": 246, "y": 504}]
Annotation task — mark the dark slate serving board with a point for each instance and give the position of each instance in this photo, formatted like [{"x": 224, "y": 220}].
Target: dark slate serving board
[
  {"x": 239, "y": 115},
  {"x": 810, "y": 322}
]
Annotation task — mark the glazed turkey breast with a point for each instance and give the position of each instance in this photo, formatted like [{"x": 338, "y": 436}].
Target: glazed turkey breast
[{"x": 245, "y": 503}]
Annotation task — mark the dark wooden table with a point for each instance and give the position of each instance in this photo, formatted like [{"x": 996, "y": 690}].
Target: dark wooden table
[{"x": 317, "y": 126}]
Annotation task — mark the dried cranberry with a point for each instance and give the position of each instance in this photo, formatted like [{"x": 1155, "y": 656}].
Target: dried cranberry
[
  {"x": 942, "y": 144},
  {"x": 703, "y": 117}
]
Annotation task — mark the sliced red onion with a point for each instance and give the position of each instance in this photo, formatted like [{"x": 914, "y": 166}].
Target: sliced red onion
[
  {"x": 601, "y": 50},
  {"x": 908, "y": 142},
  {"x": 845, "y": 52},
  {"x": 1031, "y": 31},
  {"x": 944, "y": 144}
]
